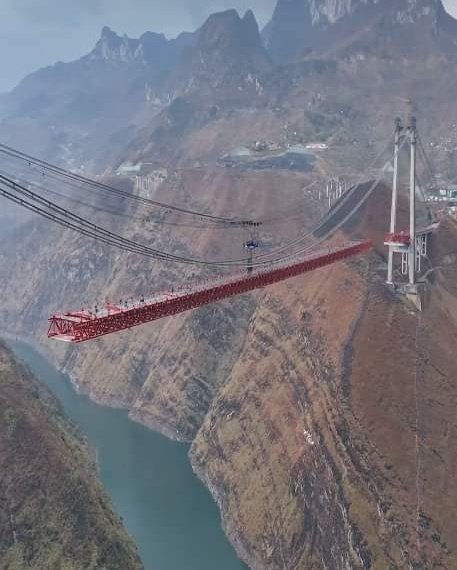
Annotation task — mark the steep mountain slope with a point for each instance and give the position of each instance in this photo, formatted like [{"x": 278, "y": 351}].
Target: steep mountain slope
[
  {"x": 228, "y": 46},
  {"x": 343, "y": 89},
  {"x": 303, "y": 27},
  {"x": 71, "y": 109},
  {"x": 225, "y": 72},
  {"x": 53, "y": 512},
  {"x": 152, "y": 99},
  {"x": 302, "y": 428},
  {"x": 166, "y": 374},
  {"x": 329, "y": 445}
]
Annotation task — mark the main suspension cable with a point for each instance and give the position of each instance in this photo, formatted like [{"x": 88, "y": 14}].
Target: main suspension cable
[
  {"x": 83, "y": 226},
  {"x": 427, "y": 163},
  {"x": 114, "y": 212},
  {"x": 67, "y": 219},
  {"x": 48, "y": 167}
]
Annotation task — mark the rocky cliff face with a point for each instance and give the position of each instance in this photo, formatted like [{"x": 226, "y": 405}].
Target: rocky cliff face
[
  {"x": 71, "y": 109},
  {"x": 319, "y": 449},
  {"x": 230, "y": 44},
  {"x": 53, "y": 512},
  {"x": 327, "y": 446},
  {"x": 302, "y": 27},
  {"x": 151, "y": 49},
  {"x": 328, "y": 12}
]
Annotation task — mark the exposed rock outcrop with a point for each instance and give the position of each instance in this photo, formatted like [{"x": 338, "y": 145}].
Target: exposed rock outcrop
[
  {"x": 325, "y": 448},
  {"x": 320, "y": 410},
  {"x": 302, "y": 27}
]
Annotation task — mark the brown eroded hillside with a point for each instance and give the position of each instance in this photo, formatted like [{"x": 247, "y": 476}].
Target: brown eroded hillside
[
  {"x": 300, "y": 399},
  {"x": 53, "y": 512},
  {"x": 330, "y": 445},
  {"x": 321, "y": 409},
  {"x": 166, "y": 373}
]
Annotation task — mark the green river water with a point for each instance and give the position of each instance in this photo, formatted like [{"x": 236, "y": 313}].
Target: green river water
[{"x": 166, "y": 509}]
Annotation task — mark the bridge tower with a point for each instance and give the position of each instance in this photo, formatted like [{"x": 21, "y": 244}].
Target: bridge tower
[
  {"x": 403, "y": 242},
  {"x": 412, "y": 202}
]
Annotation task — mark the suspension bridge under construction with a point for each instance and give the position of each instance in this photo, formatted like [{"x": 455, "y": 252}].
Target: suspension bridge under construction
[
  {"x": 83, "y": 325},
  {"x": 306, "y": 253}
]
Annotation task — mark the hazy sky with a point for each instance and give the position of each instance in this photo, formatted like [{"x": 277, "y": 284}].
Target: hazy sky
[{"x": 40, "y": 32}]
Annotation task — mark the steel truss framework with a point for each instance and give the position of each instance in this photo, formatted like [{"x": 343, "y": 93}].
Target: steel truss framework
[{"x": 76, "y": 327}]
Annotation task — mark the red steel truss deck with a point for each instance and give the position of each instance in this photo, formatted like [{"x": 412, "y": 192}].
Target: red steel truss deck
[
  {"x": 80, "y": 326},
  {"x": 399, "y": 238}
]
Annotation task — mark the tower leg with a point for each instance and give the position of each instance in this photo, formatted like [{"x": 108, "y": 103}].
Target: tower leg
[
  {"x": 393, "y": 209},
  {"x": 412, "y": 205}
]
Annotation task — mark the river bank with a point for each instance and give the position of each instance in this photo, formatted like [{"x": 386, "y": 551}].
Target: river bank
[{"x": 165, "y": 507}]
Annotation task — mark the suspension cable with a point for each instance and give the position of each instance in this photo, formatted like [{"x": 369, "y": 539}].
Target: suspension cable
[
  {"x": 68, "y": 219},
  {"x": 427, "y": 163},
  {"x": 48, "y": 167},
  {"x": 114, "y": 212},
  {"x": 330, "y": 213}
]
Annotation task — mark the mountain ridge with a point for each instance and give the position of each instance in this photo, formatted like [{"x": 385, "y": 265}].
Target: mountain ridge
[
  {"x": 70, "y": 109},
  {"x": 151, "y": 49},
  {"x": 254, "y": 381},
  {"x": 302, "y": 27}
]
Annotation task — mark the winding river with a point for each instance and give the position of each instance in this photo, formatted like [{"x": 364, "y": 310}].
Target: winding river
[{"x": 164, "y": 506}]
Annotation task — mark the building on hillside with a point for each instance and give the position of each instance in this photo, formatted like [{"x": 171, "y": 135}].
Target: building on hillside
[
  {"x": 146, "y": 176},
  {"x": 128, "y": 169}
]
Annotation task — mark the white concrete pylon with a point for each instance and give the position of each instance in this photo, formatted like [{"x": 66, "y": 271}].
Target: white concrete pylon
[
  {"x": 412, "y": 203},
  {"x": 393, "y": 209}
]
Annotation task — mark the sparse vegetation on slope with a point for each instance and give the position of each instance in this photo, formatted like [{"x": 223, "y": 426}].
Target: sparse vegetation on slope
[
  {"x": 323, "y": 409},
  {"x": 329, "y": 445},
  {"x": 54, "y": 514}
]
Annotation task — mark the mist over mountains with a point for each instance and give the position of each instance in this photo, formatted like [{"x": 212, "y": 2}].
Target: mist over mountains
[
  {"x": 253, "y": 381},
  {"x": 125, "y": 89},
  {"x": 299, "y": 28}
]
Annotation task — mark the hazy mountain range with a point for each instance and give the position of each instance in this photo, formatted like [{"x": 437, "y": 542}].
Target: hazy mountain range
[
  {"x": 321, "y": 411},
  {"x": 113, "y": 93}
]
